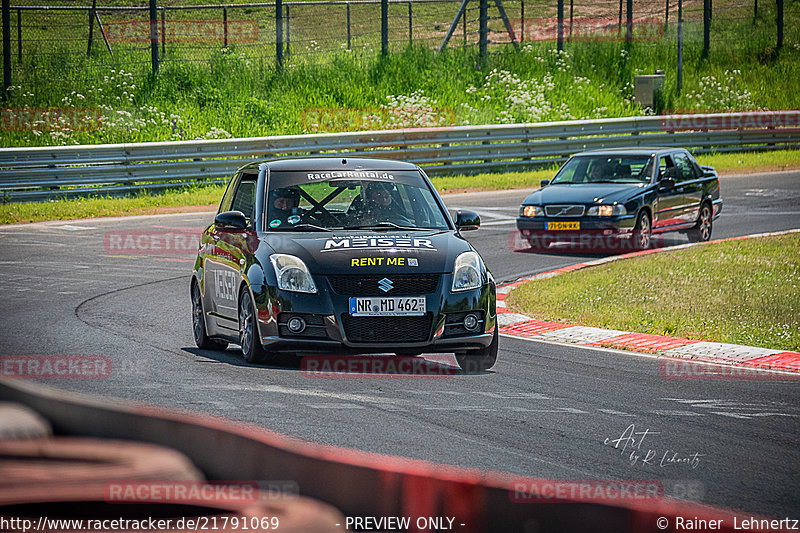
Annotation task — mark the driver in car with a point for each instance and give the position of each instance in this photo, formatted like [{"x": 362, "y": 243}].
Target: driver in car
[
  {"x": 376, "y": 204},
  {"x": 284, "y": 208}
]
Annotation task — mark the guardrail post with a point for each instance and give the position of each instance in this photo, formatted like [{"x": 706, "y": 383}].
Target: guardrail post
[
  {"x": 279, "y": 34},
  {"x": 6, "y": 47},
  {"x": 154, "y": 36}
]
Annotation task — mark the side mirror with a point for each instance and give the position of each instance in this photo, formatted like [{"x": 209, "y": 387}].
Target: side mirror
[
  {"x": 467, "y": 220},
  {"x": 231, "y": 220},
  {"x": 666, "y": 183},
  {"x": 544, "y": 183}
]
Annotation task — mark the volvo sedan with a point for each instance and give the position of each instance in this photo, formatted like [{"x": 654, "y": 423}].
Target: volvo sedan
[{"x": 619, "y": 198}]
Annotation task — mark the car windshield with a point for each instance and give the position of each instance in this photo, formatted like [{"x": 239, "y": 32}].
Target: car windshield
[
  {"x": 606, "y": 168},
  {"x": 335, "y": 203}
]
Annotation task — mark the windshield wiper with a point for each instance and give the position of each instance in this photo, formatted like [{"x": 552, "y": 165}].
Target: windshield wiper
[
  {"x": 387, "y": 225},
  {"x": 302, "y": 227}
]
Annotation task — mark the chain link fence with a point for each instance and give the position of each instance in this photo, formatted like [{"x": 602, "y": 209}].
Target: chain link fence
[{"x": 141, "y": 36}]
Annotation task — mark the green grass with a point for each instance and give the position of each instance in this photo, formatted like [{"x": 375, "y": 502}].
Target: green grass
[
  {"x": 236, "y": 91},
  {"x": 209, "y": 195},
  {"x": 741, "y": 292}
]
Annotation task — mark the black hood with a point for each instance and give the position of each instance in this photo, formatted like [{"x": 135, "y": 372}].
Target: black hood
[
  {"x": 359, "y": 251},
  {"x": 584, "y": 193}
]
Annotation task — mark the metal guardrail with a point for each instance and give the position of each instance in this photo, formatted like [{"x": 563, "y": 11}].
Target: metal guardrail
[{"x": 69, "y": 171}]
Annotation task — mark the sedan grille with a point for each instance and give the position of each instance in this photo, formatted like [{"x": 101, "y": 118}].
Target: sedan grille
[
  {"x": 387, "y": 329},
  {"x": 564, "y": 210},
  {"x": 375, "y": 285}
]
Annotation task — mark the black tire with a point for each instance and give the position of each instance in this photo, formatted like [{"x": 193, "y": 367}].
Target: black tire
[
  {"x": 249, "y": 340},
  {"x": 201, "y": 338},
  {"x": 702, "y": 230},
  {"x": 480, "y": 360},
  {"x": 642, "y": 232}
]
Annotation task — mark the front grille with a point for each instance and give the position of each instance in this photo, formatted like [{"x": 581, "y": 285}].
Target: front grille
[
  {"x": 367, "y": 285},
  {"x": 564, "y": 210},
  {"x": 387, "y": 328}
]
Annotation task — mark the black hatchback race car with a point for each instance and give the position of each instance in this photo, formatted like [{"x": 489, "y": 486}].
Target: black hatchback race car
[{"x": 341, "y": 255}]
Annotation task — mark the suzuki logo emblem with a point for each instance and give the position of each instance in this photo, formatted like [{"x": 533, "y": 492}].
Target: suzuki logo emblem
[{"x": 385, "y": 285}]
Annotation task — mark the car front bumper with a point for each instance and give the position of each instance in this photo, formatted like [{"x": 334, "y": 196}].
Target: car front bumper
[{"x": 329, "y": 327}]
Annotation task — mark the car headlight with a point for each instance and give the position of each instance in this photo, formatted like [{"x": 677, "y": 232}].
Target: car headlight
[
  {"x": 292, "y": 274},
  {"x": 467, "y": 272},
  {"x": 606, "y": 210},
  {"x": 532, "y": 211}
]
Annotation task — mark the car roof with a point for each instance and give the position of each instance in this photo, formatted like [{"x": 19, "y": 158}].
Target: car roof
[
  {"x": 630, "y": 151},
  {"x": 317, "y": 164}
]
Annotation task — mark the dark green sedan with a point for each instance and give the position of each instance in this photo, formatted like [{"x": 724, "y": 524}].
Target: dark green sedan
[{"x": 618, "y": 199}]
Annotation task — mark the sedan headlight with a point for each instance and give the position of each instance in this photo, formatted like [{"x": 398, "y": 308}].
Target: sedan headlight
[
  {"x": 467, "y": 272},
  {"x": 606, "y": 210},
  {"x": 532, "y": 211},
  {"x": 292, "y": 274}
]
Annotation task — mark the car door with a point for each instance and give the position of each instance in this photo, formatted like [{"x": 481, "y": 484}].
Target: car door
[
  {"x": 224, "y": 265},
  {"x": 690, "y": 187},
  {"x": 669, "y": 206}
]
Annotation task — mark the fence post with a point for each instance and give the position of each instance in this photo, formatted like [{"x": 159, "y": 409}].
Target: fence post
[
  {"x": 755, "y": 11},
  {"x": 560, "y": 29},
  {"x": 19, "y": 34},
  {"x": 6, "y": 47},
  {"x": 279, "y": 34},
  {"x": 680, "y": 46},
  {"x": 629, "y": 21},
  {"x": 522, "y": 21},
  {"x": 780, "y": 24},
  {"x": 706, "y": 27},
  {"x": 410, "y": 29},
  {"x": 666, "y": 16},
  {"x": 571, "y": 7},
  {"x": 619, "y": 20},
  {"x": 288, "y": 35},
  {"x": 154, "y": 36},
  {"x": 464, "y": 26},
  {"x": 384, "y": 27},
  {"x": 91, "y": 26},
  {"x": 225, "y": 27},
  {"x": 163, "y": 31},
  {"x": 484, "y": 27},
  {"x": 348, "y": 25}
]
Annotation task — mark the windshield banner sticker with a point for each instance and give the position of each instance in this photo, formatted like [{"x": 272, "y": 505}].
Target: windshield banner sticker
[{"x": 350, "y": 174}]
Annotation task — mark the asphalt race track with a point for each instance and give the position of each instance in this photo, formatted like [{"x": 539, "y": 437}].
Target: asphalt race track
[{"x": 545, "y": 410}]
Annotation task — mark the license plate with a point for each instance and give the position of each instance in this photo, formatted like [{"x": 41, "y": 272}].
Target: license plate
[
  {"x": 394, "y": 306},
  {"x": 556, "y": 226}
]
